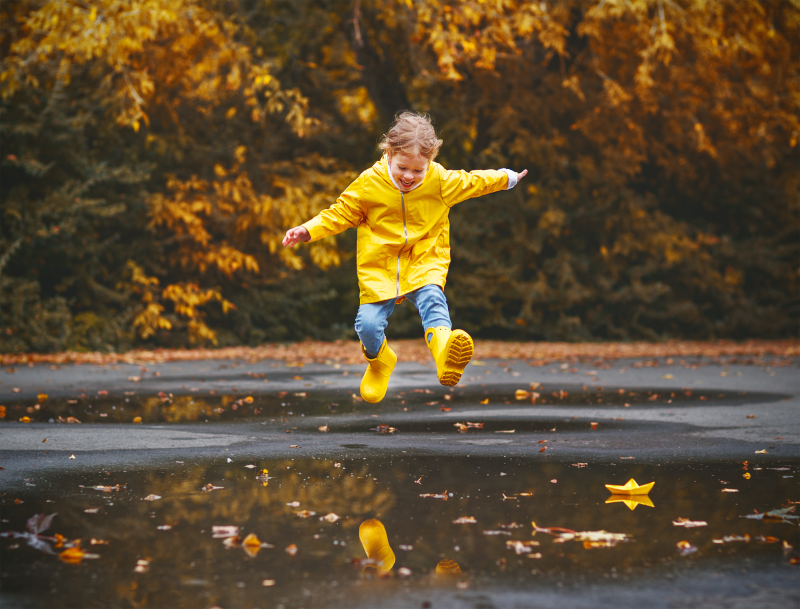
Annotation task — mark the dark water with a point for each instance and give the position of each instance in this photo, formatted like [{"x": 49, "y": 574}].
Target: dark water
[
  {"x": 186, "y": 567},
  {"x": 125, "y": 407}
]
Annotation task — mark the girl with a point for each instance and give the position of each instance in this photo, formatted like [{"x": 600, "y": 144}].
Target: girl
[{"x": 400, "y": 206}]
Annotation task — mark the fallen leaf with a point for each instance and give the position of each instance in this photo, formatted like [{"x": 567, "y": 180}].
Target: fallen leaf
[
  {"x": 152, "y": 497},
  {"x": 134, "y": 379},
  {"x": 506, "y": 431},
  {"x": 406, "y": 547},
  {"x": 137, "y": 419},
  {"x": 521, "y": 394},
  {"x": 337, "y": 464},
  {"x": 746, "y": 475},
  {"x": 252, "y": 540},
  {"x": 542, "y": 449},
  {"x": 522, "y": 547},
  {"x": 786, "y": 515},
  {"x": 330, "y": 517},
  {"x": 41, "y": 397},
  {"x": 25, "y": 420},
  {"x": 164, "y": 527},
  {"x": 224, "y": 530},
  {"x": 251, "y": 466},
  {"x": 594, "y": 425},
  {"x": 762, "y": 452},
  {"x": 554, "y": 481},
  {"x": 497, "y": 532},
  {"x": 268, "y": 582},
  {"x": 445, "y": 408},
  {"x": 210, "y": 487},
  {"x": 404, "y": 572},
  {"x": 667, "y": 377},
  {"x": 305, "y": 514},
  {"x": 689, "y": 524},
  {"x": 486, "y": 401},
  {"x": 751, "y": 416},
  {"x": 98, "y": 542},
  {"x": 465, "y": 520},
  {"x": 685, "y": 548},
  {"x": 580, "y": 464},
  {"x": 91, "y": 510},
  {"x": 435, "y": 496},
  {"x": 730, "y": 490},
  {"x": 323, "y": 428},
  {"x": 74, "y": 556},
  {"x": 293, "y": 446},
  {"x": 291, "y": 550},
  {"x": 142, "y": 566}
]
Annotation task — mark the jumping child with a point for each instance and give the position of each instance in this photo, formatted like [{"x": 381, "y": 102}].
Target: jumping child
[{"x": 400, "y": 206}]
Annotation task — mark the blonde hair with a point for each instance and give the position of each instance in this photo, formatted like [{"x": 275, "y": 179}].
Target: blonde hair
[{"x": 412, "y": 133}]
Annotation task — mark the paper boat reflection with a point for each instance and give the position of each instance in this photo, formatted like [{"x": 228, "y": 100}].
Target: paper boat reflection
[
  {"x": 630, "y": 488},
  {"x": 631, "y": 500}
]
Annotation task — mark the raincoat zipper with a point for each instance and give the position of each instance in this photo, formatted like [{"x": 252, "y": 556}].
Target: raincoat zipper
[{"x": 405, "y": 233}]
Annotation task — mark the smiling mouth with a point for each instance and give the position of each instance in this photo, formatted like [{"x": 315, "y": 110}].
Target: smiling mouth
[{"x": 404, "y": 183}]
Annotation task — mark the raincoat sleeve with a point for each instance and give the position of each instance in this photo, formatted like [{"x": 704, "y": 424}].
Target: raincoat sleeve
[
  {"x": 345, "y": 213},
  {"x": 461, "y": 185}
]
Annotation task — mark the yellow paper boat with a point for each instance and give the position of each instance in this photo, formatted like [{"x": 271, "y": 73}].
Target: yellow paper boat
[
  {"x": 630, "y": 488},
  {"x": 631, "y": 500}
]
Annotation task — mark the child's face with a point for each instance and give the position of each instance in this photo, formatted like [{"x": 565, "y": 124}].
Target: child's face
[{"x": 407, "y": 170}]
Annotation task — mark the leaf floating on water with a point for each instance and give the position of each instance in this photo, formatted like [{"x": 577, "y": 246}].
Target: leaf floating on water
[
  {"x": 506, "y": 431},
  {"x": 730, "y": 490},
  {"x": 785, "y": 515},
  {"x": 435, "y": 496},
  {"x": 97, "y": 542},
  {"x": 268, "y": 582},
  {"x": 497, "y": 532},
  {"x": 337, "y": 464},
  {"x": 250, "y": 466},
  {"x": 522, "y": 547},
  {"x": 590, "y": 539},
  {"x": 331, "y": 517},
  {"x": 152, "y": 498},
  {"x": 762, "y": 452},
  {"x": 294, "y": 504},
  {"x": 291, "y": 550},
  {"x": 511, "y": 525},
  {"x": 210, "y": 487},
  {"x": 730, "y": 538},
  {"x": 142, "y": 566},
  {"x": 72, "y": 456},
  {"x": 225, "y": 530},
  {"x": 486, "y": 401},
  {"x": 323, "y": 428},
  {"x": 406, "y": 547},
  {"x": 75, "y": 555},
  {"x": 404, "y": 572},
  {"x": 232, "y": 542},
  {"x": 580, "y": 464},
  {"x": 384, "y": 428},
  {"x": 107, "y": 489},
  {"x": 251, "y": 545},
  {"x": 689, "y": 524},
  {"x": 305, "y": 514},
  {"x": 164, "y": 527},
  {"x": 465, "y": 520},
  {"x": 91, "y": 510},
  {"x": 521, "y": 394},
  {"x": 685, "y": 548},
  {"x": 746, "y": 475}
]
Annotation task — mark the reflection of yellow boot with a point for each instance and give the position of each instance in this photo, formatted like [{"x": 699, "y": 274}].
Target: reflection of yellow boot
[
  {"x": 452, "y": 352},
  {"x": 447, "y": 566},
  {"x": 376, "y": 378},
  {"x": 376, "y": 544}
]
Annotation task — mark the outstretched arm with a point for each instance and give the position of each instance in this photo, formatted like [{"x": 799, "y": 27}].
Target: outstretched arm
[{"x": 461, "y": 185}]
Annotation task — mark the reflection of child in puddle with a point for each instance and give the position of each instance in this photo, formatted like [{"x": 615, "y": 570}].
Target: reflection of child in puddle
[{"x": 373, "y": 537}]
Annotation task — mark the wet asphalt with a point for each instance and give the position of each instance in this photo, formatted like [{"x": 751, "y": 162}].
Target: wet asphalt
[{"x": 749, "y": 408}]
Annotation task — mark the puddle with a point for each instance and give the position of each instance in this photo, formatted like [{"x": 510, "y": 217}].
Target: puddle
[
  {"x": 166, "y": 408},
  {"x": 311, "y": 561}
]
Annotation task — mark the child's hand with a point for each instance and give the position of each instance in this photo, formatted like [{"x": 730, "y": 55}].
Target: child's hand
[
  {"x": 298, "y": 234},
  {"x": 522, "y": 175}
]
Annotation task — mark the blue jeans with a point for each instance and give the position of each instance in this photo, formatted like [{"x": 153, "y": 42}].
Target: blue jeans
[{"x": 372, "y": 318}]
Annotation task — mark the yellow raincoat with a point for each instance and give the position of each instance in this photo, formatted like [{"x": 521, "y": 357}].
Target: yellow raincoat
[{"x": 403, "y": 238}]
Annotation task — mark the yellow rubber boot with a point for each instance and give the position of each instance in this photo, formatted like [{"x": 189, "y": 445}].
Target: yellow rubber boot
[
  {"x": 376, "y": 544},
  {"x": 376, "y": 378},
  {"x": 452, "y": 351}
]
